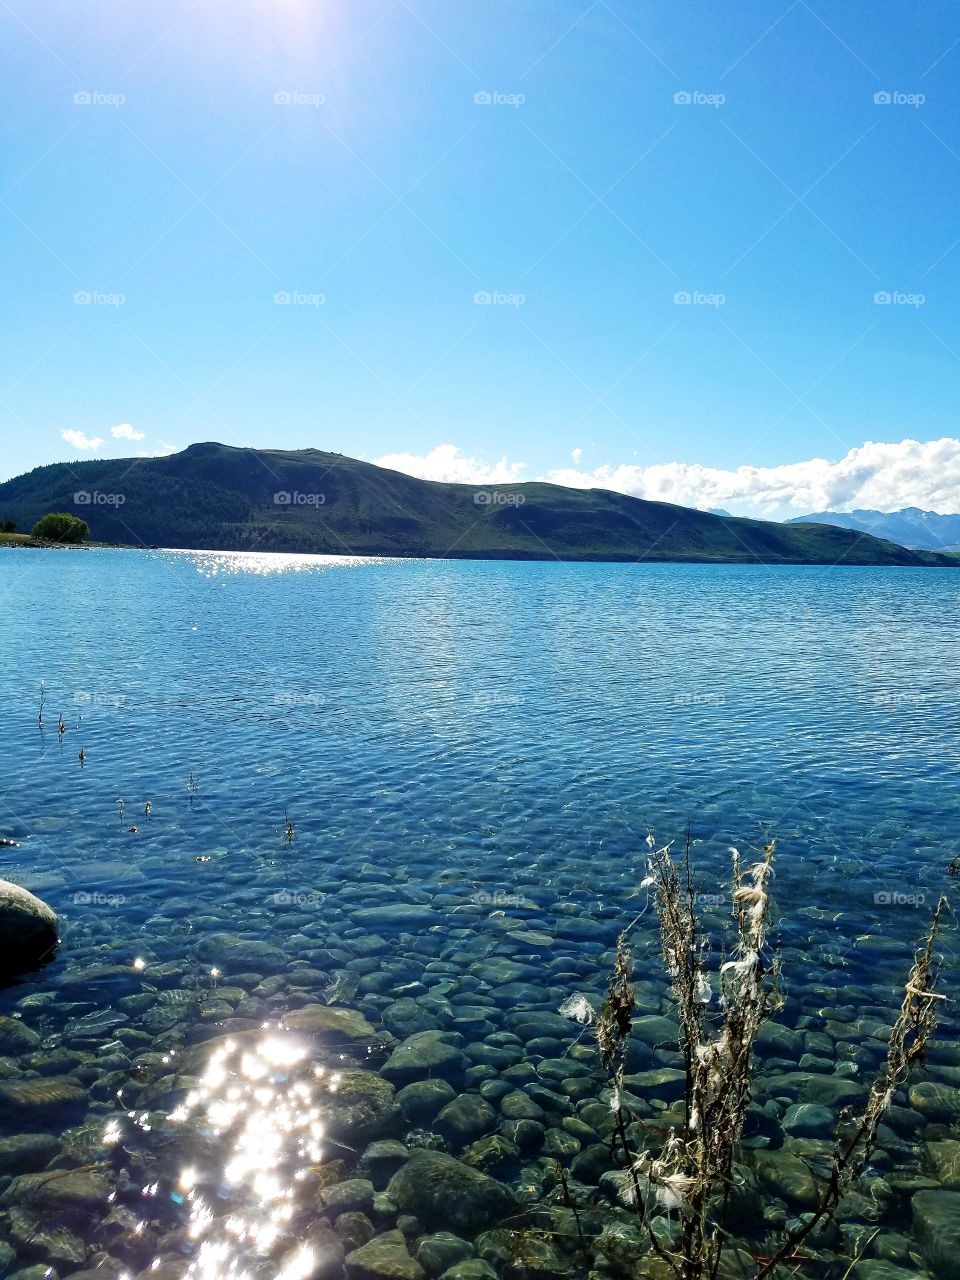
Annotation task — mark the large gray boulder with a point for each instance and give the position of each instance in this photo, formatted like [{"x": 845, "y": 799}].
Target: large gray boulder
[
  {"x": 29, "y": 930},
  {"x": 445, "y": 1194}
]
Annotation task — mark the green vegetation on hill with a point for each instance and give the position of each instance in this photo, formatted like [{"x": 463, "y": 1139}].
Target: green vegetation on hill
[
  {"x": 60, "y": 526},
  {"x": 219, "y": 497}
]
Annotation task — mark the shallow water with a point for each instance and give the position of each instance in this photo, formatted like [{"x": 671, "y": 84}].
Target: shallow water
[{"x": 469, "y": 757}]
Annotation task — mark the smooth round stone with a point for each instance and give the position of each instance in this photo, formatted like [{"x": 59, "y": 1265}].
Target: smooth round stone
[
  {"x": 27, "y": 1152},
  {"x": 518, "y": 1106},
  {"x": 522, "y": 1073},
  {"x": 474, "y": 1077},
  {"x": 880, "y": 1269},
  {"x": 943, "y": 1157},
  {"x": 559, "y": 1144},
  {"x": 438, "y": 1252},
  {"x": 543, "y": 1046},
  {"x": 788, "y": 1177},
  {"x": 446, "y": 1194},
  {"x": 421, "y": 1100},
  {"x": 29, "y": 929},
  {"x": 492, "y": 1090},
  {"x": 936, "y": 1222},
  {"x": 590, "y": 1165},
  {"x": 775, "y": 1040},
  {"x": 809, "y": 1120},
  {"x": 577, "y": 1129},
  {"x": 489, "y": 1055},
  {"x": 397, "y": 915},
  {"x": 937, "y": 1102},
  {"x": 656, "y": 1031},
  {"x": 406, "y": 1016},
  {"x": 490, "y": 1153},
  {"x": 16, "y": 1037},
  {"x": 425, "y": 1054},
  {"x": 385, "y": 1257},
  {"x": 362, "y": 1106},
  {"x": 465, "y": 1118},
  {"x": 354, "y": 1230},
  {"x": 527, "y": 1134},
  {"x": 534, "y": 1025},
  {"x": 35, "y": 1097},
  {"x": 470, "y": 1269},
  {"x": 383, "y": 1159},
  {"x": 353, "y": 1196},
  {"x": 326, "y": 1020}
]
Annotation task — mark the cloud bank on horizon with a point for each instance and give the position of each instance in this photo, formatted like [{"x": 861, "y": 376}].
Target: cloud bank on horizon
[{"x": 881, "y": 477}]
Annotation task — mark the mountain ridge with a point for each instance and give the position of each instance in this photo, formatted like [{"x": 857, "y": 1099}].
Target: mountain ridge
[
  {"x": 225, "y": 497},
  {"x": 910, "y": 526}
]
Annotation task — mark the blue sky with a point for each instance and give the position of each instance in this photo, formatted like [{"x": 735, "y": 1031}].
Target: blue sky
[{"x": 184, "y": 164}]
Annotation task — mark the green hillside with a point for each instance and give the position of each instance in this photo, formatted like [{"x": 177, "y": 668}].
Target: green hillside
[{"x": 219, "y": 497}]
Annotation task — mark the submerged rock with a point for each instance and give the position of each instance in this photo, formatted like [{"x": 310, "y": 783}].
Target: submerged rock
[
  {"x": 443, "y": 1193},
  {"x": 27, "y": 1152},
  {"x": 16, "y": 1037},
  {"x": 438, "y": 1253},
  {"x": 936, "y": 1220},
  {"x": 29, "y": 930},
  {"x": 31, "y": 1097},
  {"x": 385, "y": 1257},
  {"x": 425, "y": 1054},
  {"x": 324, "y": 1020}
]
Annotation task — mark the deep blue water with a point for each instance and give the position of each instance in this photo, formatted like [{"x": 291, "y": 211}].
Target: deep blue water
[{"x": 462, "y": 736}]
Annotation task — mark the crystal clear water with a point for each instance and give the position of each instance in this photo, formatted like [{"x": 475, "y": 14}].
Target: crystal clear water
[{"x": 419, "y": 791}]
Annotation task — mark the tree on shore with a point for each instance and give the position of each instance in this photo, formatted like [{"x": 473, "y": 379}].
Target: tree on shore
[
  {"x": 60, "y": 526},
  {"x": 8, "y": 526}
]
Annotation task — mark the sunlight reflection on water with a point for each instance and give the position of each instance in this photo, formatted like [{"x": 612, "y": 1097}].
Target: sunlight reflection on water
[
  {"x": 267, "y": 563},
  {"x": 272, "y": 1132}
]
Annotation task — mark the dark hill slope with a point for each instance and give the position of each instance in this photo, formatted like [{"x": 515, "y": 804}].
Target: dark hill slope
[{"x": 219, "y": 497}]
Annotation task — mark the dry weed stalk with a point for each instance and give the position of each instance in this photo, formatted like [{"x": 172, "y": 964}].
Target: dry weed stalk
[
  {"x": 694, "y": 1172},
  {"x": 907, "y": 1045}
]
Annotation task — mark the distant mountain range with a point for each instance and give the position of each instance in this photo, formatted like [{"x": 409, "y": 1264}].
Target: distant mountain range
[
  {"x": 219, "y": 497},
  {"x": 910, "y": 527}
]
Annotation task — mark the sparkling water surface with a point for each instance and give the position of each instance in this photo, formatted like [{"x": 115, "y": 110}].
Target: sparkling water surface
[{"x": 417, "y": 793}]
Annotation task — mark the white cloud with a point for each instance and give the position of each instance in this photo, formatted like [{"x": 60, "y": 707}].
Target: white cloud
[
  {"x": 576, "y": 455},
  {"x": 884, "y": 477},
  {"x": 80, "y": 441},
  {"x": 446, "y": 462},
  {"x": 124, "y": 431}
]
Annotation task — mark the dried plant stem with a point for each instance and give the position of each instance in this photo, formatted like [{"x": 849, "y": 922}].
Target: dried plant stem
[{"x": 908, "y": 1041}]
